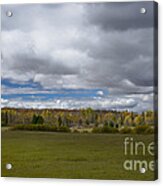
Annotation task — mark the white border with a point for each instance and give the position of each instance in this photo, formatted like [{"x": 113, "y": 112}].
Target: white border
[
  {"x": 58, "y": 1},
  {"x": 64, "y": 182}
]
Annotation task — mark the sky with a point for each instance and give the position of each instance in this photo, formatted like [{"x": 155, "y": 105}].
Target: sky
[{"x": 73, "y": 56}]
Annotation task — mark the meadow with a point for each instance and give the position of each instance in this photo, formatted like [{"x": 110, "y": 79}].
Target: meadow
[{"x": 69, "y": 155}]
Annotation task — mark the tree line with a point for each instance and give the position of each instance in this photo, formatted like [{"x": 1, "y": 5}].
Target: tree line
[{"x": 79, "y": 118}]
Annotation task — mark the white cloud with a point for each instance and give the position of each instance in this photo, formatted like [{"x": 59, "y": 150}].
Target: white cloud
[
  {"x": 4, "y": 101},
  {"x": 100, "y": 93},
  {"x": 96, "y": 103},
  {"x": 133, "y": 102}
]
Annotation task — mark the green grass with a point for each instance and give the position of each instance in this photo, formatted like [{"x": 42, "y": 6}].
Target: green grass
[{"x": 67, "y": 155}]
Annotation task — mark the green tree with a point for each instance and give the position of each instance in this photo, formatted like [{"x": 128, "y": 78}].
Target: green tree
[
  {"x": 4, "y": 118},
  {"x": 37, "y": 119},
  {"x": 40, "y": 120},
  {"x": 80, "y": 121},
  {"x": 59, "y": 121},
  {"x": 111, "y": 123},
  {"x": 34, "y": 119},
  {"x": 87, "y": 121}
]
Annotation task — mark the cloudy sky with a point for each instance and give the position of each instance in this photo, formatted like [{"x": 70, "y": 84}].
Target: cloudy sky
[{"x": 77, "y": 56}]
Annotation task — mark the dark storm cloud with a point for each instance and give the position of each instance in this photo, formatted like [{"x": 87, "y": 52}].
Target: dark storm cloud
[
  {"x": 122, "y": 55},
  {"x": 120, "y": 16},
  {"x": 39, "y": 65}
]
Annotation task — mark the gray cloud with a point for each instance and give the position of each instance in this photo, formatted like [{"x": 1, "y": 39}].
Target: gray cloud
[
  {"x": 39, "y": 65},
  {"x": 104, "y": 45},
  {"x": 120, "y": 16},
  {"x": 38, "y": 16}
]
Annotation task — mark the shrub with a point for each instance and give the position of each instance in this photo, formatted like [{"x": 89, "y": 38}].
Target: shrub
[
  {"x": 150, "y": 130},
  {"x": 126, "y": 130},
  {"x": 141, "y": 129},
  {"x": 85, "y": 131},
  {"x": 104, "y": 129},
  {"x": 40, "y": 127},
  {"x": 109, "y": 130},
  {"x": 63, "y": 129},
  {"x": 96, "y": 130},
  {"x": 76, "y": 131}
]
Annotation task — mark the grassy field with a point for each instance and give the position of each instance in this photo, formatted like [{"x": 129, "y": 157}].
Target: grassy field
[{"x": 65, "y": 155}]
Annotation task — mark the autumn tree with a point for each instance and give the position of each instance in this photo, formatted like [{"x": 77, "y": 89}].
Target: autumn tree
[
  {"x": 138, "y": 120},
  {"x": 128, "y": 120}
]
